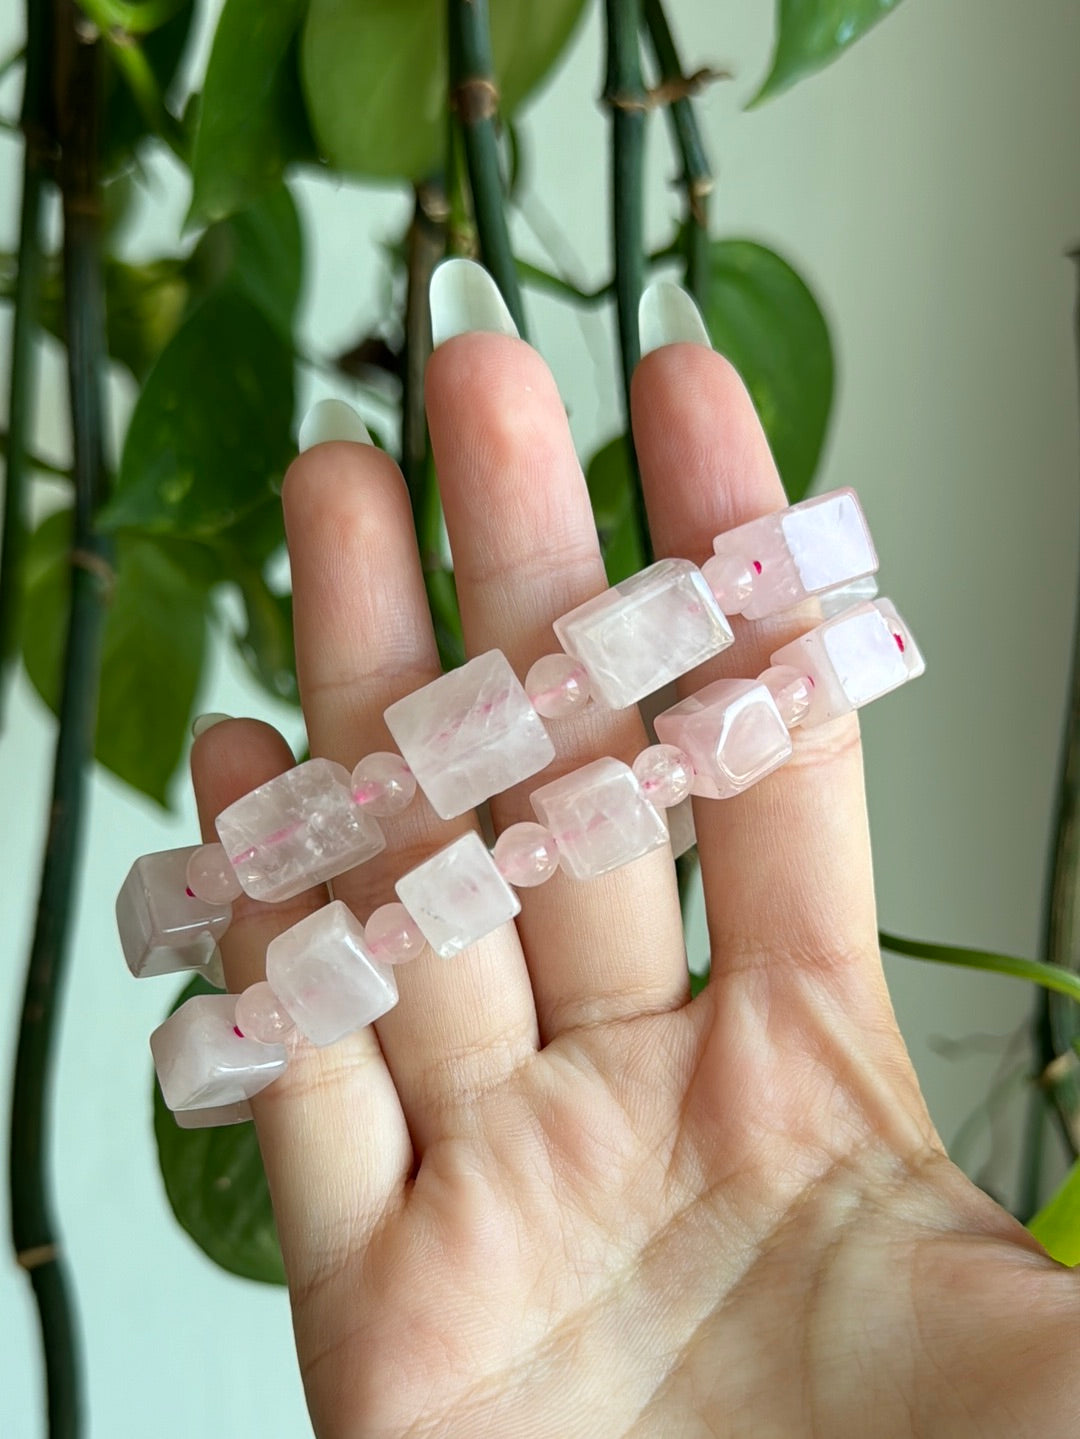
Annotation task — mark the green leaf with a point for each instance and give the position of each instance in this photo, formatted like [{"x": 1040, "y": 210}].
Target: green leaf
[
  {"x": 611, "y": 489},
  {"x": 210, "y": 437},
  {"x": 216, "y": 1185},
  {"x": 1057, "y": 1224},
  {"x": 124, "y": 124},
  {"x": 252, "y": 121},
  {"x": 1050, "y": 976},
  {"x": 260, "y": 252},
  {"x": 153, "y": 648},
  {"x": 266, "y": 643},
  {"x": 144, "y": 305},
  {"x": 812, "y": 33},
  {"x": 374, "y": 74},
  {"x": 763, "y": 317}
]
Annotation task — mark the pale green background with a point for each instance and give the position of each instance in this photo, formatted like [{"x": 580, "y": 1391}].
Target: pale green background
[{"x": 928, "y": 186}]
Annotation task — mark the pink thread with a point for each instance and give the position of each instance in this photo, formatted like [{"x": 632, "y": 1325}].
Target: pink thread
[
  {"x": 238, "y": 1032},
  {"x": 757, "y": 566},
  {"x": 899, "y": 642},
  {"x": 189, "y": 892}
]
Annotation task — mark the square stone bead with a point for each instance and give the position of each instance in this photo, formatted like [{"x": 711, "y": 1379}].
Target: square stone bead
[
  {"x": 807, "y": 549},
  {"x": 297, "y": 830},
  {"x": 457, "y": 896},
  {"x": 645, "y": 631},
  {"x": 203, "y": 1063},
  {"x": 470, "y": 734},
  {"x": 600, "y": 818},
  {"x": 216, "y": 1117},
  {"x": 853, "y": 658},
  {"x": 163, "y": 928},
  {"x": 733, "y": 733},
  {"x": 682, "y": 835},
  {"x": 326, "y": 977}
]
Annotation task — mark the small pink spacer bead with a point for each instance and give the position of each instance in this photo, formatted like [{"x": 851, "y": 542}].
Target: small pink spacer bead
[
  {"x": 211, "y": 877},
  {"x": 383, "y": 783},
  {"x": 557, "y": 685},
  {"x": 526, "y": 854},
  {"x": 260, "y": 1015},
  {"x": 665, "y": 774},
  {"x": 731, "y": 580},
  {"x": 392, "y": 935},
  {"x": 791, "y": 690}
]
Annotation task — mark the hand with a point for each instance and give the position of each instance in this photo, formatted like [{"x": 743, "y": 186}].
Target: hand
[{"x": 548, "y": 1195}]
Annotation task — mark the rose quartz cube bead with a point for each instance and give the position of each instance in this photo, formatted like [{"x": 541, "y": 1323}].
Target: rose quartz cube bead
[
  {"x": 853, "y": 658},
  {"x": 526, "y": 855},
  {"x": 457, "y": 896},
  {"x": 325, "y": 976},
  {"x": 807, "y": 549},
  {"x": 297, "y": 830},
  {"x": 681, "y": 833},
  {"x": 164, "y": 928},
  {"x": 470, "y": 734},
  {"x": 211, "y": 877},
  {"x": 216, "y": 1117},
  {"x": 203, "y": 1063},
  {"x": 383, "y": 784},
  {"x": 645, "y": 631},
  {"x": 733, "y": 733},
  {"x": 599, "y": 817},
  {"x": 392, "y": 935}
]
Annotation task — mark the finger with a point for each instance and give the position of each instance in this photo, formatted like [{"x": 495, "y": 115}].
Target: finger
[
  {"x": 786, "y": 866},
  {"x": 364, "y": 639},
  {"x": 333, "y": 1138},
  {"x": 525, "y": 551}
]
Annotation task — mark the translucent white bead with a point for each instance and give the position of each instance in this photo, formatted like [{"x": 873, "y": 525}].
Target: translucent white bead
[
  {"x": 731, "y": 580},
  {"x": 164, "y": 927},
  {"x": 599, "y": 817},
  {"x": 260, "y": 1015},
  {"x": 665, "y": 774},
  {"x": 557, "y": 685},
  {"x": 733, "y": 733},
  {"x": 791, "y": 690},
  {"x": 457, "y": 896},
  {"x": 392, "y": 935},
  {"x": 383, "y": 784},
  {"x": 526, "y": 854},
  {"x": 203, "y": 1063},
  {"x": 211, "y": 877}
]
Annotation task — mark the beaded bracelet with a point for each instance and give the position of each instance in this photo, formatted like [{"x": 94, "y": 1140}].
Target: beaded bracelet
[{"x": 474, "y": 733}]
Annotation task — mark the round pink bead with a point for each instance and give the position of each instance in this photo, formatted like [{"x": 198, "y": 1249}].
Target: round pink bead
[
  {"x": 392, "y": 934},
  {"x": 791, "y": 690},
  {"x": 383, "y": 783},
  {"x": 665, "y": 774},
  {"x": 557, "y": 685},
  {"x": 260, "y": 1015},
  {"x": 731, "y": 580},
  {"x": 211, "y": 877},
  {"x": 526, "y": 854}
]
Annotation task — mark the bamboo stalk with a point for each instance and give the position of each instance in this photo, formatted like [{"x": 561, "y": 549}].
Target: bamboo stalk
[
  {"x": 697, "y": 177},
  {"x": 34, "y": 1231},
  {"x": 625, "y": 97},
  {"x": 37, "y": 152},
  {"x": 474, "y": 98}
]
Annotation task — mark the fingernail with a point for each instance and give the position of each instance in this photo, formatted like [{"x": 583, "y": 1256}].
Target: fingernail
[
  {"x": 464, "y": 297},
  {"x": 331, "y": 420},
  {"x": 201, "y": 723},
  {"x": 667, "y": 315}
]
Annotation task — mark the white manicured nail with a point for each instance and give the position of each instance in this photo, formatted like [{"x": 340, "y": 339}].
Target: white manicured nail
[
  {"x": 332, "y": 420},
  {"x": 201, "y": 723},
  {"x": 464, "y": 297},
  {"x": 667, "y": 315}
]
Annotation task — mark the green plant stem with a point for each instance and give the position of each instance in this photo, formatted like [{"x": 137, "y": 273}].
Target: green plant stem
[
  {"x": 1049, "y": 976},
  {"x": 624, "y": 95},
  {"x": 697, "y": 177},
  {"x": 475, "y": 100},
  {"x": 34, "y": 1233},
  {"x": 37, "y": 151},
  {"x": 425, "y": 246}
]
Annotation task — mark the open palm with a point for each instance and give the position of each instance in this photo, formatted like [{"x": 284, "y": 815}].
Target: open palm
[{"x": 548, "y": 1195}]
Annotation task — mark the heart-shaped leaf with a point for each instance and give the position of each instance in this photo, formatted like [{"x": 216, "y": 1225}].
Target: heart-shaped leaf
[
  {"x": 763, "y": 317},
  {"x": 258, "y": 251},
  {"x": 810, "y": 34},
  {"x": 374, "y": 74},
  {"x": 252, "y": 120},
  {"x": 1057, "y": 1224},
  {"x": 211, "y": 434},
  {"x": 152, "y": 655},
  {"x": 611, "y": 490},
  {"x": 216, "y": 1185}
]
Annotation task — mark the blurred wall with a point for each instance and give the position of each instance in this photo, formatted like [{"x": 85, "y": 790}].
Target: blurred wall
[{"x": 928, "y": 186}]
